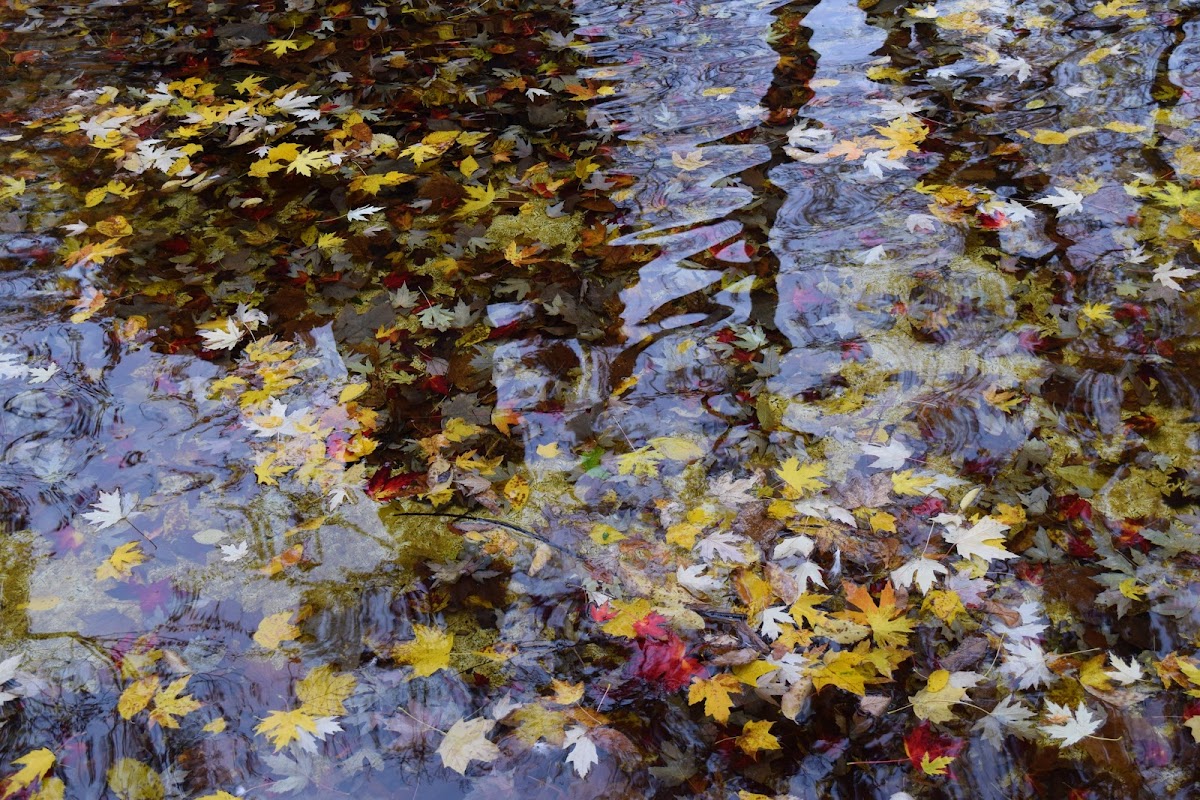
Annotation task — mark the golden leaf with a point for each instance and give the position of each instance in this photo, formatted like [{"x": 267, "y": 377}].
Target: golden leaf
[
  {"x": 428, "y": 652},
  {"x": 323, "y": 692},
  {"x": 275, "y": 629},
  {"x": 120, "y": 564},
  {"x": 715, "y": 693},
  {"x": 757, "y": 736},
  {"x": 137, "y": 696},
  {"x": 168, "y": 704},
  {"x": 887, "y": 623},
  {"x": 801, "y": 478},
  {"x": 284, "y": 727},
  {"x": 935, "y": 701},
  {"x": 130, "y": 779},
  {"x": 34, "y": 765}
]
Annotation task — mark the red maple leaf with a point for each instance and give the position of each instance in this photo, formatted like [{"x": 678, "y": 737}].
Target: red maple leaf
[
  {"x": 922, "y": 741},
  {"x": 664, "y": 662}
]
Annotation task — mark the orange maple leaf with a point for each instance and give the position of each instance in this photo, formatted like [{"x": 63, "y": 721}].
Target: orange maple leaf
[{"x": 887, "y": 623}]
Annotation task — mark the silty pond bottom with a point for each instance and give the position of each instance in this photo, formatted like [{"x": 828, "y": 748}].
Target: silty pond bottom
[{"x": 599, "y": 399}]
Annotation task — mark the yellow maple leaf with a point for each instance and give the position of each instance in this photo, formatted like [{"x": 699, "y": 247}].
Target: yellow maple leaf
[
  {"x": 275, "y": 629},
  {"x": 466, "y": 741},
  {"x": 323, "y": 692},
  {"x": 1116, "y": 8},
  {"x": 904, "y": 133},
  {"x": 168, "y": 704},
  {"x": 677, "y": 448},
  {"x": 801, "y": 478},
  {"x": 34, "y": 765},
  {"x": 757, "y": 736},
  {"x": 330, "y": 242},
  {"x": 690, "y": 161},
  {"x": 750, "y": 673},
  {"x": 888, "y": 624},
  {"x": 137, "y": 696},
  {"x": 266, "y": 470},
  {"x": 1097, "y": 312},
  {"x": 249, "y": 84},
  {"x": 481, "y": 198},
  {"x": 840, "y": 668},
  {"x": 715, "y": 693},
  {"x": 308, "y": 160},
  {"x": 284, "y": 727},
  {"x": 566, "y": 694},
  {"x": 218, "y": 725},
  {"x": 1093, "y": 673},
  {"x": 936, "y": 766},
  {"x": 120, "y": 564},
  {"x": 371, "y": 184},
  {"x": 13, "y": 187},
  {"x": 805, "y": 610},
  {"x": 263, "y": 167},
  {"x": 428, "y": 651},
  {"x": 130, "y": 779},
  {"x": 935, "y": 701},
  {"x": 535, "y": 721},
  {"x": 1004, "y": 399},
  {"x": 629, "y": 612},
  {"x": 642, "y": 461},
  {"x": 95, "y": 253},
  {"x": 51, "y": 789},
  {"x": 907, "y": 483},
  {"x": 882, "y": 521},
  {"x": 279, "y": 47}
]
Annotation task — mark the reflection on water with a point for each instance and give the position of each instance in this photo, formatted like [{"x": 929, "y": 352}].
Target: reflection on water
[{"x": 623, "y": 398}]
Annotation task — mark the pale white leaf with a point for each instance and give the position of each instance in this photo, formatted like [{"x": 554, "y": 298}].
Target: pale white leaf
[
  {"x": 1069, "y": 725},
  {"x": 1066, "y": 201},
  {"x": 1166, "y": 276},
  {"x": 110, "y": 509},
  {"x": 984, "y": 539},
  {"x": 1125, "y": 672},
  {"x": 771, "y": 618},
  {"x": 225, "y": 338},
  {"x": 921, "y": 571},
  {"x": 583, "y": 753}
]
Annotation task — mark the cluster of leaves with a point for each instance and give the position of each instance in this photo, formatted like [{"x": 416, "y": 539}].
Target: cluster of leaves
[{"x": 835, "y": 577}]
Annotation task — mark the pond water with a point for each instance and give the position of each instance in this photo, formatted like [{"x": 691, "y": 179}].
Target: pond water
[{"x": 599, "y": 399}]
